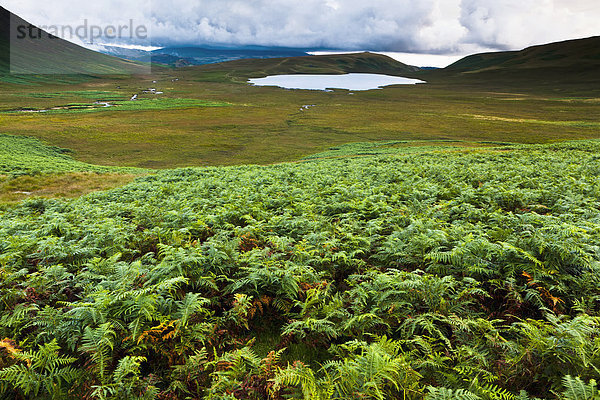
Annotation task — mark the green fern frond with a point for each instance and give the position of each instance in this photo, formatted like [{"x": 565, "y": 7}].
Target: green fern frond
[{"x": 449, "y": 394}]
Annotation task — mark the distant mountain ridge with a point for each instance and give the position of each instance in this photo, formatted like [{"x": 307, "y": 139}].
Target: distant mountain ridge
[
  {"x": 192, "y": 55},
  {"x": 51, "y": 55}
]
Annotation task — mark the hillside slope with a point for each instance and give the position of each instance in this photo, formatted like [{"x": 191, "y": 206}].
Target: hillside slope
[
  {"x": 568, "y": 61},
  {"x": 327, "y": 64},
  {"x": 53, "y": 55}
]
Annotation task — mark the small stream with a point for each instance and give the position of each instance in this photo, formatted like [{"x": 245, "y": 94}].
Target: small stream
[{"x": 97, "y": 104}]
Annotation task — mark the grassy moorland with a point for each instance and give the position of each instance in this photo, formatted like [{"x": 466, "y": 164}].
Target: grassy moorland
[
  {"x": 265, "y": 125},
  {"x": 376, "y": 271}
]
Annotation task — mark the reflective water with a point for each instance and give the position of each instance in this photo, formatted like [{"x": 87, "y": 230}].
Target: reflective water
[{"x": 325, "y": 82}]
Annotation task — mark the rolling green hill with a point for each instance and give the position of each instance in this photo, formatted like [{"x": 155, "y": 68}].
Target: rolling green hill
[
  {"x": 327, "y": 64},
  {"x": 569, "y": 61},
  {"x": 48, "y": 55}
]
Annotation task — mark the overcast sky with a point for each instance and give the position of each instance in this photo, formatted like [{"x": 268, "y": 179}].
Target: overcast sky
[{"x": 443, "y": 27}]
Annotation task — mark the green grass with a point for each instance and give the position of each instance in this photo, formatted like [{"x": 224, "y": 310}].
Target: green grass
[
  {"x": 394, "y": 147},
  {"x": 30, "y": 168},
  {"x": 166, "y": 104},
  {"x": 118, "y": 105},
  {"x": 582, "y": 123},
  {"x": 21, "y": 155},
  {"x": 16, "y": 188}
]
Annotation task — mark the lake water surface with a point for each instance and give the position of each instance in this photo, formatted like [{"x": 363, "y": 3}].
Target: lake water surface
[{"x": 325, "y": 82}]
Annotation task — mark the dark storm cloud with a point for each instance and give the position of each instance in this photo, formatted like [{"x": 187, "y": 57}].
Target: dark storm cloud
[{"x": 432, "y": 26}]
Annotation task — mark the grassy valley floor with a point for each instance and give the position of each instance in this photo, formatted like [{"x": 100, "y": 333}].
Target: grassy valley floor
[{"x": 210, "y": 116}]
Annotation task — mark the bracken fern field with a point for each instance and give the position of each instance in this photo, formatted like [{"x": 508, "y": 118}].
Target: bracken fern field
[{"x": 454, "y": 274}]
